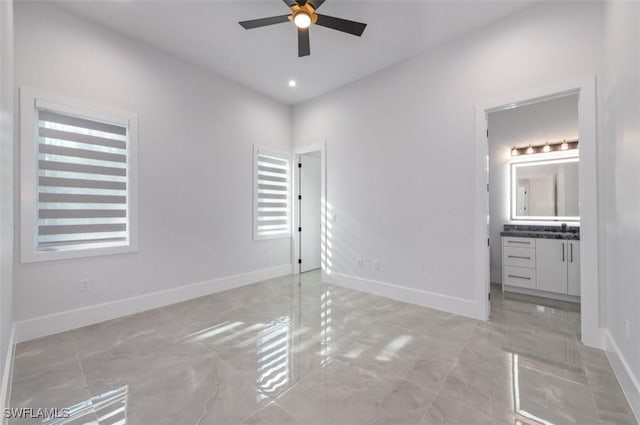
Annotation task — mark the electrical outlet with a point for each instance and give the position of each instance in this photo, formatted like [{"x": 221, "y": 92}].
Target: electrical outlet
[
  {"x": 84, "y": 285},
  {"x": 376, "y": 264},
  {"x": 360, "y": 262},
  {"x": 627, "y": 329}
]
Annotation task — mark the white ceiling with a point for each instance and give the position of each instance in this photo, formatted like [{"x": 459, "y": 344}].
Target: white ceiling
[{"x": 207, "y": 34}]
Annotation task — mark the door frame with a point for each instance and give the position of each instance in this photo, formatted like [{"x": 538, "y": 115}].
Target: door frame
[
  {"x": 295, "y": 240},
  {"x": 585, "y": 86}
]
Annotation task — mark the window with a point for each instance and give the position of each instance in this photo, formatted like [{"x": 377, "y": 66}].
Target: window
[
  {"x": 77, "y": 179},
  {"x": 272, "y": 194}
]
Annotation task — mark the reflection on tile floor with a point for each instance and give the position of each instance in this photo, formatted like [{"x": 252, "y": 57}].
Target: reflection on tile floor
[{"x": 297, "y": 351}]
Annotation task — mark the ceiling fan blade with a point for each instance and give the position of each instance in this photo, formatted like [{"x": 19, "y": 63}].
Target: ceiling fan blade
[
  {"x": 304, "y": 49},
  {"x": 301, "y": 2},
  {"x": 315, "y": 3},
  {"x": 290, "y": 2},
  {"x": 344, "y": 25},
  {"x": 263, "y": 22}
]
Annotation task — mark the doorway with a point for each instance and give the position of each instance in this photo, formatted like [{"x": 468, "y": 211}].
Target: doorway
[
  {"x": 534, "y": 216},
  {"x": 584, "y": 88},
  {"x": 309, "y": 210},
  {"x": 309, "y": 244}
]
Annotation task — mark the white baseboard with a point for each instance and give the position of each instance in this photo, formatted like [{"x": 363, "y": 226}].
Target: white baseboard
[
  {"x": 7, "y": 373},
  {"x": 628, "y": 381},
  {"x": 72, "y": 319},
  {"x": 433, "y": 300}
]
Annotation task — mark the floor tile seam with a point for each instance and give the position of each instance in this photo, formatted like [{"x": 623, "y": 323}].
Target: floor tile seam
[
  {"x": 527, "y": 329},
  {"x": 413, "y": 331},
  {"x": 84, "y": 377},
  {"x": 444, "y": 380},
  {"x": 393, "y": 325},
  {"x": 15, "y": 380},
  {"x": 593, "y": 397},
  {"x": 294, "y": 417},
  {"x": 297, "y": 384},
  {"x": 463, "y": 404},
  {"x": 132, "y": 353},
  {"x": 273, "y": 402},
  {"x": 190, "y": 331},
  {"x": 249, "y": 382},
  {"x": 556, "y": 376},
  {"x": 553, "y": 374},
  {"x": 77, "y": 358},
  {"x": 536, "y": 300}
]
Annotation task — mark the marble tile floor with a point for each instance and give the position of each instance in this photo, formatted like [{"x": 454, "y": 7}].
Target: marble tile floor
[{"x": 293, "y": 350}]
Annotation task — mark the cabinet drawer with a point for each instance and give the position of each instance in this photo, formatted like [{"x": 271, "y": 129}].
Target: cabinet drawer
[
  {"x": 519, "y": 257},
  {"x": 521, "y": 242},
  {"x": 519, "y": 276}
]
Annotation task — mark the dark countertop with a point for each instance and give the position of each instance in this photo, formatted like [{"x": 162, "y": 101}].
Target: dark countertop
[
  {"x": 541, "y": 232},
  {"x": 541, "y": 235}
]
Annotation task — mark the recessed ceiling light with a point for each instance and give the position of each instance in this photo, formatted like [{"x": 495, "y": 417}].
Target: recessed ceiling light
[{"x": 292, "y": 83}]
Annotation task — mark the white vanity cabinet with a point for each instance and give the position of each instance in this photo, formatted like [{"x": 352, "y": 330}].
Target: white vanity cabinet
[
  {"x": 558, "y": 266},
  {"x": 552, "y": 265},
  {"x": 519, "y": 262},
  {"x": 540, "y": 264}
]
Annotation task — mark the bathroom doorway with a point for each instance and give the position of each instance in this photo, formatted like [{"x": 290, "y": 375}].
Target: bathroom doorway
[
  {"x": 490, "y": 221},
  {"x": 534, "y": 160}
]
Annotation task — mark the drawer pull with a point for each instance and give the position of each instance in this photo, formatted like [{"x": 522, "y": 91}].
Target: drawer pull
[
  {"x": 518, "y": 256},
  {"x": 519, "y": 277},
  {"x": 522, "y": 242}
]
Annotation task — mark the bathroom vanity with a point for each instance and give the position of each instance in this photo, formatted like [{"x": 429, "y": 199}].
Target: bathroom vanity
[{"x": 542, "y": 261}]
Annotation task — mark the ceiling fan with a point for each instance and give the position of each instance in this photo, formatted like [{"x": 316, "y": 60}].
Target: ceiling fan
[{"x": 303, "y": 14}]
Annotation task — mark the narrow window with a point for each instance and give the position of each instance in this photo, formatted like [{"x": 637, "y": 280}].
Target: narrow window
[{"x": 272, "y": 193}]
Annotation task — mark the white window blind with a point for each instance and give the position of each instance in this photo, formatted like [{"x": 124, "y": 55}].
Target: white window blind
[
  {"x": 272, "y": 188},
  {"x": 78, "y": 178},
  {"x": 82, "y": 182}
]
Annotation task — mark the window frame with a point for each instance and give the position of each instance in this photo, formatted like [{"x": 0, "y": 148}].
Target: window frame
[
  {"x": 30, "y": 102},
  {"x": 289, "y": 157}
]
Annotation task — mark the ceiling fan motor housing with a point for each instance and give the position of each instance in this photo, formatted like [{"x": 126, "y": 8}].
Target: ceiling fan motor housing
[{"x": 306, "y": 9}]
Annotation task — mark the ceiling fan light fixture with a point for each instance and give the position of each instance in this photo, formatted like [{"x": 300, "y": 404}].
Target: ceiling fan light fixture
[
  {"x": 302, "y": 20},
  {"x": 303, "y": 15}
]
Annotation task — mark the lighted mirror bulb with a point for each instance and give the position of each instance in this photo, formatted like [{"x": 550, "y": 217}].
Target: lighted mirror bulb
[
  {"x": 302, "y": 20},
  {"x": 514, "y": 151},
  {"x": 564, "y": 146},
  {"x": 546, "y": 148},
  {"x": 530, "y": 150}
]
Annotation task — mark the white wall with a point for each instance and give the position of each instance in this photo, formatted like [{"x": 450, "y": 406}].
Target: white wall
[
  {"x": 195, "y": 162},
  {"x": 310, "y": 186},
  {"x": 621, "y": 174},
  {"x": 400, "y": 149},
  {"x": 552, "y": 120},
  {"x": 6, "y": 187}
]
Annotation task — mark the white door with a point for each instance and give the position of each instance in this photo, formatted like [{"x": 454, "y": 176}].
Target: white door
[
  {"x": 573, "y": 271},
  {"x": 310, "y": 206},
  {"x": 551, "y": 265}
]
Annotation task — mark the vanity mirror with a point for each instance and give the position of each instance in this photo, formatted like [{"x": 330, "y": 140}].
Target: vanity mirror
[{"x": 545, "y": 190}]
